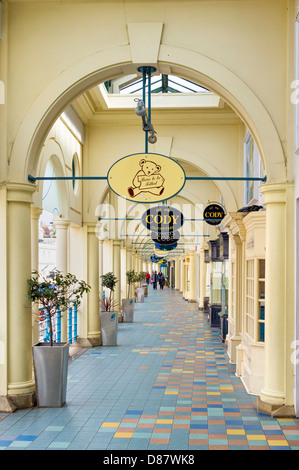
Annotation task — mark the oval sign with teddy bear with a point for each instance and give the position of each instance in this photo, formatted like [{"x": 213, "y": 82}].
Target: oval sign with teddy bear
[{"x": 146, "y": 177}]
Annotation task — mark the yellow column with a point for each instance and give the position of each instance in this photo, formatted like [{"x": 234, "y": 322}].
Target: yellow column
[
  {"x": 19, "y": 312},
  {"x": 100, "y": 271},
  {"x": 93, "y": 322},
  {"x": 35, "y": 214},
  {"x": 203, "y": 277},
  {"x": 192, "y": 274},
  {"x": 117, "y": 273},
  {"x": 235, "y": 339},
  {"x": 177, "y": 274},
  {"x": 61, "y": 226},
  {"x": 182, "y": 271},
  {"x": 277, "y": 291},
  {"x": 129, "y": 260}
]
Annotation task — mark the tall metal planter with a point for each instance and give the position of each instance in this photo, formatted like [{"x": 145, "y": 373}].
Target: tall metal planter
[
  {"x": 109, "y": 323},
  {"x": 140, "y": 294},
  {"x": 128, "y": 310},
  {"x": 50, "y": 369}
]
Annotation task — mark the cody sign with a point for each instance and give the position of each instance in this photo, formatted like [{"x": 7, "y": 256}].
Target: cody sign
[
  {"x": 162, "y": 220},
  {"x": 213, "y": 214}
]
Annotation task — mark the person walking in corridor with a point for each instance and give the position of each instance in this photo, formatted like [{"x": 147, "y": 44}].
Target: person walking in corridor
[
  {"x": 155, "y": 280},
  {"x": 161, "y": 281}
]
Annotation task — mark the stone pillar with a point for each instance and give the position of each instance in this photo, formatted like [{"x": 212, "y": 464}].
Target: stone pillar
[
  {"x": 20, "y": 383},
  {"x": 235, "y": 339},
  {"x": 35, "y": 214},
  {"x": 182, "y": 270},
  {"x": 278, "y": 264},
  {"x": 93, "y": 320},
  {"x": 237, "y": 233},
  {"x": 177, "y": 274},
  {"x": 100, "y": 271},
  {"x": 203, "y": 277},
  {"x": 129, "y": 259},
  {"x": 117, "y": 273},
  {"x": 192, "y": 294},
  {"x": 61, "y": 226}
]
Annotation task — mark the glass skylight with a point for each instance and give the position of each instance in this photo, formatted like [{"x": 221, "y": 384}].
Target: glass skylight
[{"x": 163, "y": 84}]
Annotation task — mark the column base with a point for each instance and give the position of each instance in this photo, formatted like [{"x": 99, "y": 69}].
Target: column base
[
  {"x": 275, "y": 411},
  {"x": 89, "y": 342},
  {"x": 11, "y": 403}
]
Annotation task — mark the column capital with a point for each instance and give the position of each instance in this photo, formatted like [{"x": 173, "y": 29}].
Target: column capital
[
  {"x": 61, "y": 223},
  {"x": 90, "y": 226},
  {"x": 235, "y": 225},
  {"x": 35, "y": 212},
  {"x": 275, "y": 192},
  {"x": 20, "y": 192}
]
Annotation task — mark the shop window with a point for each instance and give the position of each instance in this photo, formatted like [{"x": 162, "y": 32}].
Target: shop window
[
  {"x": 249, "y": 314},
  {"x": 216, "y": 283},
  {"x": 255, "y": 299},
  {"x": 261, "y": 300},
  {"x": 233, "y": 287}
]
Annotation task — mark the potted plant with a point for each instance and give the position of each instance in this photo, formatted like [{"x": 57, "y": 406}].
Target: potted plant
[
  {"x": 108, "y": 315},
  {"x": 53, "y": 294},
  {"x": 128, "y": 303},
  {"x": 140, "y": 290}
]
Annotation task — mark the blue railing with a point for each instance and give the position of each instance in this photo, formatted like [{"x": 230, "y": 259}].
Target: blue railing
[{"x": 72, "y": 325}]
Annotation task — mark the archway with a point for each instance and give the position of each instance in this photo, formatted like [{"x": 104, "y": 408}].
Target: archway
[{"x": 117, "y": 61}]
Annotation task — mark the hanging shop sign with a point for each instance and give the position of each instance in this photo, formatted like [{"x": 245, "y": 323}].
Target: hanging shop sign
[
  {"x": 214, "y": 214},
  {"x": 165, "y": 238},
  {"x": 159, "y": 253},
  {"x": 162, "y": 262},
  {"x": 146, "y": 177},
  {"x": 163, "y": 220},
  {"x": 169, "y": 247}
]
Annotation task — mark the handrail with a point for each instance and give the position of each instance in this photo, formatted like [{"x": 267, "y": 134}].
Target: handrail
[{"x": 72, "y": 328}]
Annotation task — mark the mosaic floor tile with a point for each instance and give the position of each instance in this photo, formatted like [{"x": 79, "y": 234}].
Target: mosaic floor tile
[{"x": 167, "y": 385}]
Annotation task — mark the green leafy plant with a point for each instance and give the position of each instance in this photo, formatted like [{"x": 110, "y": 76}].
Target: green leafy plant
[
  {"x": 55, "y": 292},
  {"x": 131, "y": 279},
  {"x": 140, "y": 278},
  {"x": 109, "y": 281}
]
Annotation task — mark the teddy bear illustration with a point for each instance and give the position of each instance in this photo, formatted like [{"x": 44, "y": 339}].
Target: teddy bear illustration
[{"x": 147, "y": 180}]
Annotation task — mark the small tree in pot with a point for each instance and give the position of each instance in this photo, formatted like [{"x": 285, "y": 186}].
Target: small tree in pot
[
  {"x": 128, "y": 303},
  {"x": 108, "y": 317},
  {"x": 54, "y": 293},
  {"x": 140, "y": 289}
]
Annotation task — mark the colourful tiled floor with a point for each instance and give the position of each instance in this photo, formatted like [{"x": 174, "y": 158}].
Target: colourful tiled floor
[{"x": 167, "y": 385}]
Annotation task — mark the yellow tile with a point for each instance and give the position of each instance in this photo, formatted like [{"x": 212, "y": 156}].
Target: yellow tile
[
  {"x": 277, "y": 443},
  {"x": 213, "y": 393},
  {"x": 255, "y": 437},
  {"x": 171, "y": 393},
  {"x": 164, "y": 421},
  {"x": 123, "y": 434},
  {"x": 236, "y": 431},
  {"x": 110, "y": 425}
]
